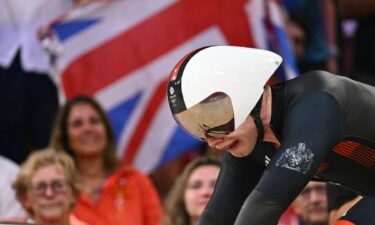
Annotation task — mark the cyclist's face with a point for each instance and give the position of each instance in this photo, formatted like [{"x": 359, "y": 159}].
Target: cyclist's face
[
  {"x": 240, "y": 142},
  {"x": 49, "y": 195}
]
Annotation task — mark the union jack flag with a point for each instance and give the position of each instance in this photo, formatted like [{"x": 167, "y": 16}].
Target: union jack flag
[{"x": 121, "y": 52}]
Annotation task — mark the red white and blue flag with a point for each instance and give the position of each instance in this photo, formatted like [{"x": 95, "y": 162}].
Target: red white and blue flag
[{"x": 121, "y": 52}]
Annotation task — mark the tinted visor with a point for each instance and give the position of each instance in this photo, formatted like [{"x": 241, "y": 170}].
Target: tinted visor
[{"x": 213, "y": 117}]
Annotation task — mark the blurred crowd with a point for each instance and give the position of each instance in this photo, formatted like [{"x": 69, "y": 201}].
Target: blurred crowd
[{"x": 75, "y": 177}]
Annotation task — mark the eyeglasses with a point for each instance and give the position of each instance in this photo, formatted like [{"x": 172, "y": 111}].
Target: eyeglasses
[
  {"x": 319, "y": 190},
  {"x": 57, "y": 186}
]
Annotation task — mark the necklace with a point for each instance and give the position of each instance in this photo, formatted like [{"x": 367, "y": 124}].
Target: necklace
[{"x": 93, "y": 188}]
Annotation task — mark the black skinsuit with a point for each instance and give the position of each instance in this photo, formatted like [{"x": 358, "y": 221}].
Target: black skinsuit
[{"x": 326, "y": 126}]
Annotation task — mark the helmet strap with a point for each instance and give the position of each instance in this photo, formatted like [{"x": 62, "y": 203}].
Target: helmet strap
[
  {"x": 255, "y": 113},
  {"x": 259, "y": 125}
]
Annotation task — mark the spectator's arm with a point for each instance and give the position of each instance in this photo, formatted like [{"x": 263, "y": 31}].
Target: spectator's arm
[{"x": 356, "y": 9}]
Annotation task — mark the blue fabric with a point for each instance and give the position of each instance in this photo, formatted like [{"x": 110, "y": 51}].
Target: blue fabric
[{"x": 311, "y": 13}]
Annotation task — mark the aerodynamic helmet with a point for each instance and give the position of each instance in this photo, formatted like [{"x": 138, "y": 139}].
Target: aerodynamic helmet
[{"x": 213, "y": 89}]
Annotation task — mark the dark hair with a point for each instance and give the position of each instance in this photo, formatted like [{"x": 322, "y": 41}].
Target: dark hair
[{"x": 60, "y": 139}]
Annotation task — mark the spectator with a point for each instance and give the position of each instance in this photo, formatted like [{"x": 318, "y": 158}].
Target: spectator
[
  {"x": 48, "y": 187},
  {"x": 112, "y": 194},
  {"x": 340, "y": 200},
  {"x": 28, "y": 96},
  {"x": 311, "y": 204},
  {"x": 363, "y": 11},
  {"x": 194, "y": 186},
  {"x": 296, "y": 29},
  {"x": 191, "y": 191},
  {"x": 9, "y": 206},
  {"x": 319, "y": 18}
]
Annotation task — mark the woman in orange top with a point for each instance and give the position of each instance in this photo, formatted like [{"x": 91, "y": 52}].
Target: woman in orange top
[{"x": 113, "y": 194}]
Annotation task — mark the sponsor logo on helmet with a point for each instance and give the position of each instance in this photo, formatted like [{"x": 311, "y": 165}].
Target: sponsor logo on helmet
[{"x": 171, "y": 90}]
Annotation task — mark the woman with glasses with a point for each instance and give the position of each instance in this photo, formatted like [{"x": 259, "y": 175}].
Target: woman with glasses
[
  {"x": 113, "y": 194},
  {"x": 47, "y": 187}
]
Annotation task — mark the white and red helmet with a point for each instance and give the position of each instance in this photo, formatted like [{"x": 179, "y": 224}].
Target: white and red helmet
[{"x": 213, "y": 89}]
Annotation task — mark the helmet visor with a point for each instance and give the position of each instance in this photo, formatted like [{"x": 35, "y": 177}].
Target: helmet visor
[{"x": 212, "y": 117}]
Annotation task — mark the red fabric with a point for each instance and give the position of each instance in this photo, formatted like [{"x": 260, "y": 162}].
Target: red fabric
[
  {"x": 75, "y": 221},
  {"x": 357, "y": 152},
  {"x": 289, "y": 217},
  {"x": 343, "y": 222},
  {"x": 127, "y": 198}
]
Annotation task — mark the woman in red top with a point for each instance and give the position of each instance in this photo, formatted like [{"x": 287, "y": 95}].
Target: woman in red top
[{"x": 113, "y": 194}]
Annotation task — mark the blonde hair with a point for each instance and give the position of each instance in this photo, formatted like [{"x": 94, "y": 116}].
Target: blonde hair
[
  {"x": 176, "y": 213},
  {"x": 42, "y": 158}
]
